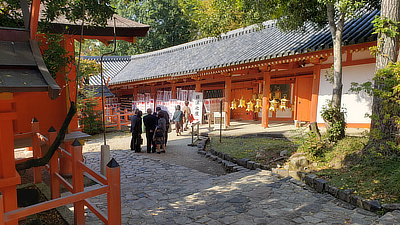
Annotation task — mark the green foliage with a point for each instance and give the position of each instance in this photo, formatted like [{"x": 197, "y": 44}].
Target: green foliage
[
  {"x": 334, "y": 121},
  {"x": 55, "y": 56},
  {"x": 309, "y": 143},
  {"x": 388, "y": 81},
  {"x": 9, "y": 16},
  {"x": 88, "y": 68},
  {"x": 215, "y": 17},
  {"x": 169, "y": 26},
  {"x": 96, "y": 12},
  {"x": 90, "y": 118},
  {"x": 383, "y": 25}
]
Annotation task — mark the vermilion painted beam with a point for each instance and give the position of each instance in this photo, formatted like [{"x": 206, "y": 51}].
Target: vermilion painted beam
[{"x": 30, "y": 210}]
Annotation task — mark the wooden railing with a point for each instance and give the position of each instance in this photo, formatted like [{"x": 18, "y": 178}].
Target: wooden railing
[
  {"x": 117, "y": 118},
  {"x": 109, "y": 185}
]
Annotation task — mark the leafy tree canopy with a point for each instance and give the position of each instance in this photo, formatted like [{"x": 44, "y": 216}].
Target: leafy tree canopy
[
  {"x": 96, "y": 12},
  {"x": 169, "y": 25}
]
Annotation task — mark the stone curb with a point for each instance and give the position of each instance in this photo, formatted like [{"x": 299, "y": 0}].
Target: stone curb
[
  {"x": 346, "y": 195},
  {"x": 229, "y": 163},
  {"x": 320, "y": 185}
]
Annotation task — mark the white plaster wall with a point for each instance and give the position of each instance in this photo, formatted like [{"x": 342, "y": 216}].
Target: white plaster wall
[{"x": 356, "y": 105}]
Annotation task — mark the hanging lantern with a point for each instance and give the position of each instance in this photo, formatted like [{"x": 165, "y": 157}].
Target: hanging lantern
[
  {"x": 257, "y": 110},
  {"x": 277, "y": 94},
  {"x": 254, "y": 97},
  {"x": 242, "y": 103},
  {"x": 250, "y": 105},
  {"x": 273, "y": 105},
  {"x": 234, "y": 104},
  {"x": 258, "y": 104},
  {"x": 284, "y": 103},
  {"x": 270, "y": 95},
  {"x": 260, "y": 96}
]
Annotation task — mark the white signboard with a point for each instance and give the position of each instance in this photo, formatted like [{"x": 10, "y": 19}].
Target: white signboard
[{"x": 197, "y": 109}]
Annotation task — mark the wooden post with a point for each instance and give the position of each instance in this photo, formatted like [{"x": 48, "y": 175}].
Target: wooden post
[
  {"x": 114, "y": 195},
  {"x": 9, "y": 177},
  {"x": 1, "y": 210},
  {"x": 173, "y": 90},
  {"x": 265, "y": 100},
  {"x": 228, "y": 90},
  {"x": 77, "y": 181},
  {"x": 65, "y": 164},
  {"x": 198, "y": 85},
  {"x": 118, "y": 119},
  {"x": 315, "y": 92},
  {"x": 54, "y": 184},
  {"x": 37, "y": 152}
]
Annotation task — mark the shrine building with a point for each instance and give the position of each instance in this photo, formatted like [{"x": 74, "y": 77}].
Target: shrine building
[{"x": 259, "y": 74}]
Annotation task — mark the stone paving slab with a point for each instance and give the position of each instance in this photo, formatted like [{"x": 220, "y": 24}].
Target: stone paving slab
[{"x": 157, "y": 192}]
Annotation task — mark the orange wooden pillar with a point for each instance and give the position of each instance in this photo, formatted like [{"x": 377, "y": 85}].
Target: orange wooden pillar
[
  {"x": 265, "y": 100},
  {"x": 135, "y": 91},
  {"x": 71, "y": 90},
  {"x": 315, "y": 92},
  {"x": 54, "y": 184},
  {"x": 35, "y": 9},
  {"x": 37, "y": 152},
  {"x": 114, "y": 195},
  {"x": 173, "y": 90},
  {"x": 153, "y": 95},
  {"x": 228, "y": 90},
  {"x": 77, "y": 181},
  {"x": 1, "y": 210},
  {"x": 118, "y": 119},
  {"x": 9, "y": 177},
  {"x": 198, "y": 85}
]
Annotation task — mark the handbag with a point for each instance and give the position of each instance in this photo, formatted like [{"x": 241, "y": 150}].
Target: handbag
[{"x": 191, "y": 118}]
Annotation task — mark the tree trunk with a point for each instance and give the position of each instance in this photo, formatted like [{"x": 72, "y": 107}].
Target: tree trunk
[
  {"x": 336, "y": 32},
  {"x": 387, "y": 53}
]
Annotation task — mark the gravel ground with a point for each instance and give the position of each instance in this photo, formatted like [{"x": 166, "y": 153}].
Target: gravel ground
[{"x": 177, "y": 151}]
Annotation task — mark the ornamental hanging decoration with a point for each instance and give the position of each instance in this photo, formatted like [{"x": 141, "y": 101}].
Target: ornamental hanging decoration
[
  {"x": 234, "y": 104},
  {"x": 284, "y": 103},
  {"x": 277, "y": 94},
  {"x": 273, "y": 105},
  {"x": 250, "y": 105},
  {"x": 242, "y": 103},
  {"x": 258, "y": 105}
]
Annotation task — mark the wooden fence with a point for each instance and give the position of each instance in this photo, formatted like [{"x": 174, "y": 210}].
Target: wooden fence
[{"x": 110, "y": 185}]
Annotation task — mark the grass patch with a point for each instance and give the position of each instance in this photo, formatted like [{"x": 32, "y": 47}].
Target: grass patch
[
  {"x": 258, "y": 149},
  {"x": 373, "y": 176}
]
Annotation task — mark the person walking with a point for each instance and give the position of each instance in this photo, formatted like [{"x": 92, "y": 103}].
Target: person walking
[
  {"x": 178, "y": 120},
  {"x": 150, "y": 123},
  {"x": 186, "y": 114},
  {"x": 160, "y": 130},
  {"x": 136, "y": 130},
  {"x": 166, "y": 117}
]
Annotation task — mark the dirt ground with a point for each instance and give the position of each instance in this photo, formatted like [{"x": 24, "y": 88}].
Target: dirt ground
[{"x": 177, "y": 150}]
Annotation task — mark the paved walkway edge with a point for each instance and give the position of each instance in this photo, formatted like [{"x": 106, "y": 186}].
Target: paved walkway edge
[{"x": 392, "y": 211}]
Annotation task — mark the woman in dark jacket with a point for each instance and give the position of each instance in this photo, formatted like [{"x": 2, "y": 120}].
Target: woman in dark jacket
[
  {"x": 136, "y": 130},
  {"x": 159, "y": 133}
]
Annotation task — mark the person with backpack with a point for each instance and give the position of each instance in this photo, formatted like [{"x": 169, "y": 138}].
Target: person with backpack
[{"x": 159, "y": 133}]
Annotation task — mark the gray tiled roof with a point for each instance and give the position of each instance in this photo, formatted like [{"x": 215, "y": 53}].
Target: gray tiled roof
[
  {"x": 239, "y": 46},
  {"x": 112, "y": 65}
]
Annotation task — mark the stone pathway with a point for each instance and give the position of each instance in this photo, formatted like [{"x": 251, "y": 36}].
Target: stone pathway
[{"x": 157, "y": 192}]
